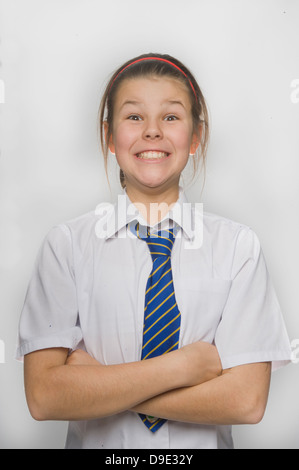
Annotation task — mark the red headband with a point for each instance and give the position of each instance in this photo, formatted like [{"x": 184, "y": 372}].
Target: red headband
[{"x": 162, "y": 60}]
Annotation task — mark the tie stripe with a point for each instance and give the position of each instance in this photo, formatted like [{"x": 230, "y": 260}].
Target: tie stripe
[
  {"x": 162, "y": 317},
  {"x": 162, "y": 342},
  {"x": 158, "y": 244},
  {"x": 162, "y": 303},
  {"x": 158, "y": 332},
  {"x": 158, "y": 281},
  {"x": 161, "y": 266},
  {"x": 158, "y": 293},
  {"x": 145, "y": 331}
]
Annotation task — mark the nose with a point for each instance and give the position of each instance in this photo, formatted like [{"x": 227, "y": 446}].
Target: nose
[{"x": 152, "y": 130}]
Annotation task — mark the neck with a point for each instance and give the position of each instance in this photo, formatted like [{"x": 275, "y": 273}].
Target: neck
[{"x": 153, "y": 204}]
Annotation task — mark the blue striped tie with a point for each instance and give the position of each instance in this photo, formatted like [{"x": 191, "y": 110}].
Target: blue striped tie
[{"x": 162, "y": 318}]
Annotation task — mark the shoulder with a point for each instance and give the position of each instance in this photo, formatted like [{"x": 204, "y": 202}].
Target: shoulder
[
  {"x": 230, "y": 235},
  {"x": 73, "y": 227},
  {"x": 76, "y": 231},
  {"x": 216, "y": 222}
]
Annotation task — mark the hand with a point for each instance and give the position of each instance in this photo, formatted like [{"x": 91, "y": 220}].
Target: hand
[
  {"x": 201, "y": 362},
  {"x": 81, "y": 358}
]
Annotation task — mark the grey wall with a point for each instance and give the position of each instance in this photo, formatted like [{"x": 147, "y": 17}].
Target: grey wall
[{"x": 55, "y": 58}]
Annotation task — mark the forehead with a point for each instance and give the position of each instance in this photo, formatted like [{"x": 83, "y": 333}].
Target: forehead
[{"x": 152, "y": 89}]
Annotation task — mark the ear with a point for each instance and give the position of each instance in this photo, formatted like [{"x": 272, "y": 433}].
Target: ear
[
  {"x": 196, "y": 138},
  {"x": 111, "y": 145}
]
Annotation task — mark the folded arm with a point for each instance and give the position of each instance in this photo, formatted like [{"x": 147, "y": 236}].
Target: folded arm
[
  {"x": 238, "y": 396},
  {"x": 75, "y": 387},
  {"x": 184, "y": 385}
]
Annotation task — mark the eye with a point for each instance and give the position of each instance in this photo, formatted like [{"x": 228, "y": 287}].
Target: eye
[
  {"x": 134, "y": 117},
  {"x": 171, "y": 117}
]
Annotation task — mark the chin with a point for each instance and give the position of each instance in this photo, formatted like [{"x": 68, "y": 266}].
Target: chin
[{"x": 153, "y": 183}]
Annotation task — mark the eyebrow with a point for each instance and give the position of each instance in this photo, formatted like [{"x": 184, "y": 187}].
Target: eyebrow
[
  {"x": 130, "y": 102},
  {"x": 175, "y": 102},
  {"x": 134, "y": 102}
]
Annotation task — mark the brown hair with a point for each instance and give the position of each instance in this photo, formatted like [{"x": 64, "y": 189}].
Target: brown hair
[{"x": 159, "y": 65}]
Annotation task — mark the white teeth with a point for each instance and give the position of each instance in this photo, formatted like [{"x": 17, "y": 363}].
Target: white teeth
[{"x": 152, "y": 154}]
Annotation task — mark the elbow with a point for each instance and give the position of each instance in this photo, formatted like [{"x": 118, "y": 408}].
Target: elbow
[
  {"x": 249, "y": 388},
  {"x": 36, "y": 408},
  {"x": 256, "y": 415},
  {"x": 253, "y": 412},
  {"x": 38, "y": 402},
  {"x": 36, "y": 413},
  {"x": 42, "y": 369}
]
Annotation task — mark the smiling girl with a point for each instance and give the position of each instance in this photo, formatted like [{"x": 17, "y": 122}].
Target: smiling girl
[{"x": 136, "y": 340}]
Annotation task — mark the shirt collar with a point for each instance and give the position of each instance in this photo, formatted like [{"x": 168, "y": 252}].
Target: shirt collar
[{"x": 115, "y": 217}]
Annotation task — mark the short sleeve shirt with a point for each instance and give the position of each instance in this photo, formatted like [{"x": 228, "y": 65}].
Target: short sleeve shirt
[{"x": 87, "y": 291}]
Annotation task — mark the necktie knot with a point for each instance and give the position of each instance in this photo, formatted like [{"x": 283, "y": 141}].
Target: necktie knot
[{"x": 160, "y": 243}]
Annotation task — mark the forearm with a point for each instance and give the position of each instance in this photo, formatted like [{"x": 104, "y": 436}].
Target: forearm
[
  {"x": 72, "y": 387},
  {"x": 232, "y": 398},
  {"x": 206, "y": 403},
  {"x": 74, "y": 392}
]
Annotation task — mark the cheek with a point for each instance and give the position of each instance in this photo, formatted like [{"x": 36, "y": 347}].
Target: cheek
[
  {"x": 124, "y": 137},
  {"x": 183, "y": 138}
]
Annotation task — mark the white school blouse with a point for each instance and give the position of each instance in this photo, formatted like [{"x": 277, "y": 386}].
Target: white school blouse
[{"x": 87, "y": 291}]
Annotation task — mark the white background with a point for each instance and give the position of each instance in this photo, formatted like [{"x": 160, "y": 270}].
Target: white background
[{"x": 56, "y": 56}]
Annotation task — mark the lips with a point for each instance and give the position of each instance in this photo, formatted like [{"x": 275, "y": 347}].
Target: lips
[{"x": 152, "y": 155}]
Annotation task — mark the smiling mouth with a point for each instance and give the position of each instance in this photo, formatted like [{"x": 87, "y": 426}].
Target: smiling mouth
[{"x": 152, "y": 155}]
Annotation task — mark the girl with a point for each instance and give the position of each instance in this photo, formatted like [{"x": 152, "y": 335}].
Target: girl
[{"x": 138, "y": 336}]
